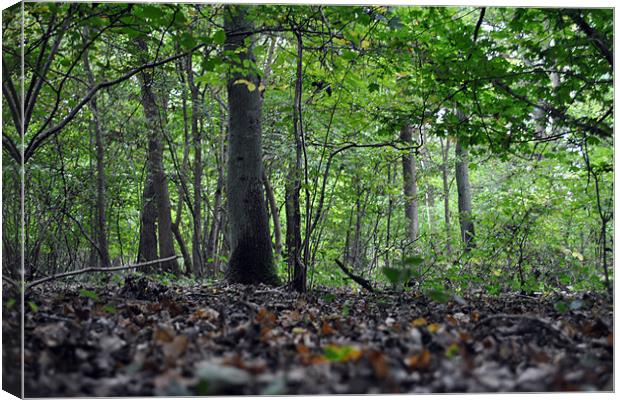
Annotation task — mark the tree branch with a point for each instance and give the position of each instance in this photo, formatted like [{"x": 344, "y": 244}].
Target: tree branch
[
  {"x": 361, "y": 281},
  {"x": 97, "y": 269}
]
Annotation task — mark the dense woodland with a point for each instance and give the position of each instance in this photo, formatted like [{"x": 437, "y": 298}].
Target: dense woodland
[{"x": 445, "y": 155}]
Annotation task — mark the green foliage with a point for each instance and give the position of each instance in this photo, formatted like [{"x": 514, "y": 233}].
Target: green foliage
[
  {"x": 538, "y": 193},
  {"x": 89, "y": 294}
]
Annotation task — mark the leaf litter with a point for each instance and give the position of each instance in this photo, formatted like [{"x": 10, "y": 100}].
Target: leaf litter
[{"x": 144, "y": 338}]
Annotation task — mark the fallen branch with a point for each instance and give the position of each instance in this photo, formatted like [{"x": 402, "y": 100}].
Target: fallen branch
[
  {"x": 530, "y": 318},
  {"x": 98, "y": 269},
  {"x": 361, "y": 281}
]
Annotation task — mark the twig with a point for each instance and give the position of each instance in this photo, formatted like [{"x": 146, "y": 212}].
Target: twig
[
  {"x": 98, "y": 269},
  {"x": 361, "y": 281}
]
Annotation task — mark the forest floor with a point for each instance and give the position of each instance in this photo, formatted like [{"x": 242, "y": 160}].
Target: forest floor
[{"x": 146, "y": 338}]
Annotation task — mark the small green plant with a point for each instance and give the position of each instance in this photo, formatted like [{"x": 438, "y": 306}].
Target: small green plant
[{"x": 89, "y": 294}]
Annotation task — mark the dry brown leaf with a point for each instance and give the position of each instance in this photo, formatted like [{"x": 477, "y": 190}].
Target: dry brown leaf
[
  {"x": 163, "y": 335},
  {"x": 379, "y": 366},
  {"x": 175, "y": 348},
  {"x": 451, "y": 320},
  {"x": 266, "y": 317},
  {"x": 419, "y": 361},
  {"x": 326, "y": 329},
  {"x": 419, "y": 322}
]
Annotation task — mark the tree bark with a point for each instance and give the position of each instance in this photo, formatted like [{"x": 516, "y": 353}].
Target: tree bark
[
  {"x": 275, "y": 215},
  {"x": 101, "y": 228},
  {"x": 445, "y": 148},
  {"x": 410, "y": 187},
  {"x": 464, "y": 196},
  {"x": 197, "y": 261},
  {"x": 293, "y": 188},
  {"x": 147, "y": 248},
  {"x": 251, "y": 258},
  {"x": 156, "y": 168}
]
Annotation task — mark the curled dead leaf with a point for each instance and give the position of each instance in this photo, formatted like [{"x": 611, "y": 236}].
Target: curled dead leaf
[{"x": 419, "y": 361}]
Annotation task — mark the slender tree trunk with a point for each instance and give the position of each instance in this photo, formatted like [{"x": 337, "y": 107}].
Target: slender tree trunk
[
  {"x": 101, "y": 227},
  {"x": 389, "y": 218},
  {"x": 464, "y": 195},
  {"x": 429, "y": 195},
  {"x": 251, "y": 258},
  {"x": 446, "y": 193},
  {"x": 293, "y": 188},
  {"x": 218, "y": 218},
  {"x": 275, "y": 215},
  {"x": 410, "y": 187},
  {"x": 156, "y": 168},
  {"x": 197, "y": 261}
]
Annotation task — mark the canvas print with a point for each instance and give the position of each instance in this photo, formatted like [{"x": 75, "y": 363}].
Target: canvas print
[{"x": 225, "y": 199}]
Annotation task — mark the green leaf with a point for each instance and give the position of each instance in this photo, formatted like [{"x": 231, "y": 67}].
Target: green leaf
[
  {"x": 150, "y": 11},
  {"x": 109, "y": 308},
  {"x": 89, "y": 293},
  {"x": 187, "y": 41},
  {"x": 373, "y": 87},
  {"x": 413, "y": 260},
  {"x": 561, "y": 307},
  {"x": 392, "y": 274},
  {"x": 10, "y": 303},
  {"x": 33, "y": 306},
  {"x": 219, "y": 37},
  {"x": 438, "y": 295}
]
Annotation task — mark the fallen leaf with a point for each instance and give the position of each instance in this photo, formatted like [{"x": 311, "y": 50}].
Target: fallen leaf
[
  {"x": 419, "y": 361},
  {"x": 326, "y": 329},
  {"x": 378, "y": 363},
  {"x": 175, "y": 348},
  {"x": 419, "y": 322}
]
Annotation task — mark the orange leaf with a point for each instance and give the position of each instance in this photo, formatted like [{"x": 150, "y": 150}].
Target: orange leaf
[
  {"x": 419, "y": 361},
  {"x": 164, "y": 335},
  {"x": 378, "y": 364},
  {"x": 301, "y": 349},
  {"x": 266, "y": 317},
  {"x": 451, "y": 320},
  {"x": 326, "y": 329}
]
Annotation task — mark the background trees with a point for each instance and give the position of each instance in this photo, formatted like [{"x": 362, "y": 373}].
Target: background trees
[{"x": 133, "y": 138}]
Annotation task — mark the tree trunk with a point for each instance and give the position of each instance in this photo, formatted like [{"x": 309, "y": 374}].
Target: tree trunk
[
  {"x": 156, "y": 168},
  {"x": 464, "y": 195},
  {"x": 446, "y": 192},
  {"x": 101, "y": 230},
  {"x": 196, "y": 236},
  {"x": 147, "y": 249},
  {"x": 293, "y": 188},
  {"x": 251, "y": 258},
  {"x": 410, "y": 187},
  {"x": 275, "y": 215}
]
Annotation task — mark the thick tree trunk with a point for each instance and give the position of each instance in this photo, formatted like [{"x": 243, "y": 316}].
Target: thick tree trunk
[
  {"x": 464, "y": 196},
  {"x": 446, "y": 193},
  {"x": 251, "y": 258},
  {"x": 101, "y": 227},
  {"x": 147, "y": 249},
  {"x": 197, "y": 261},
  {"x": 156, "y": 168},
  {"x": 410, "y": 187}
]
